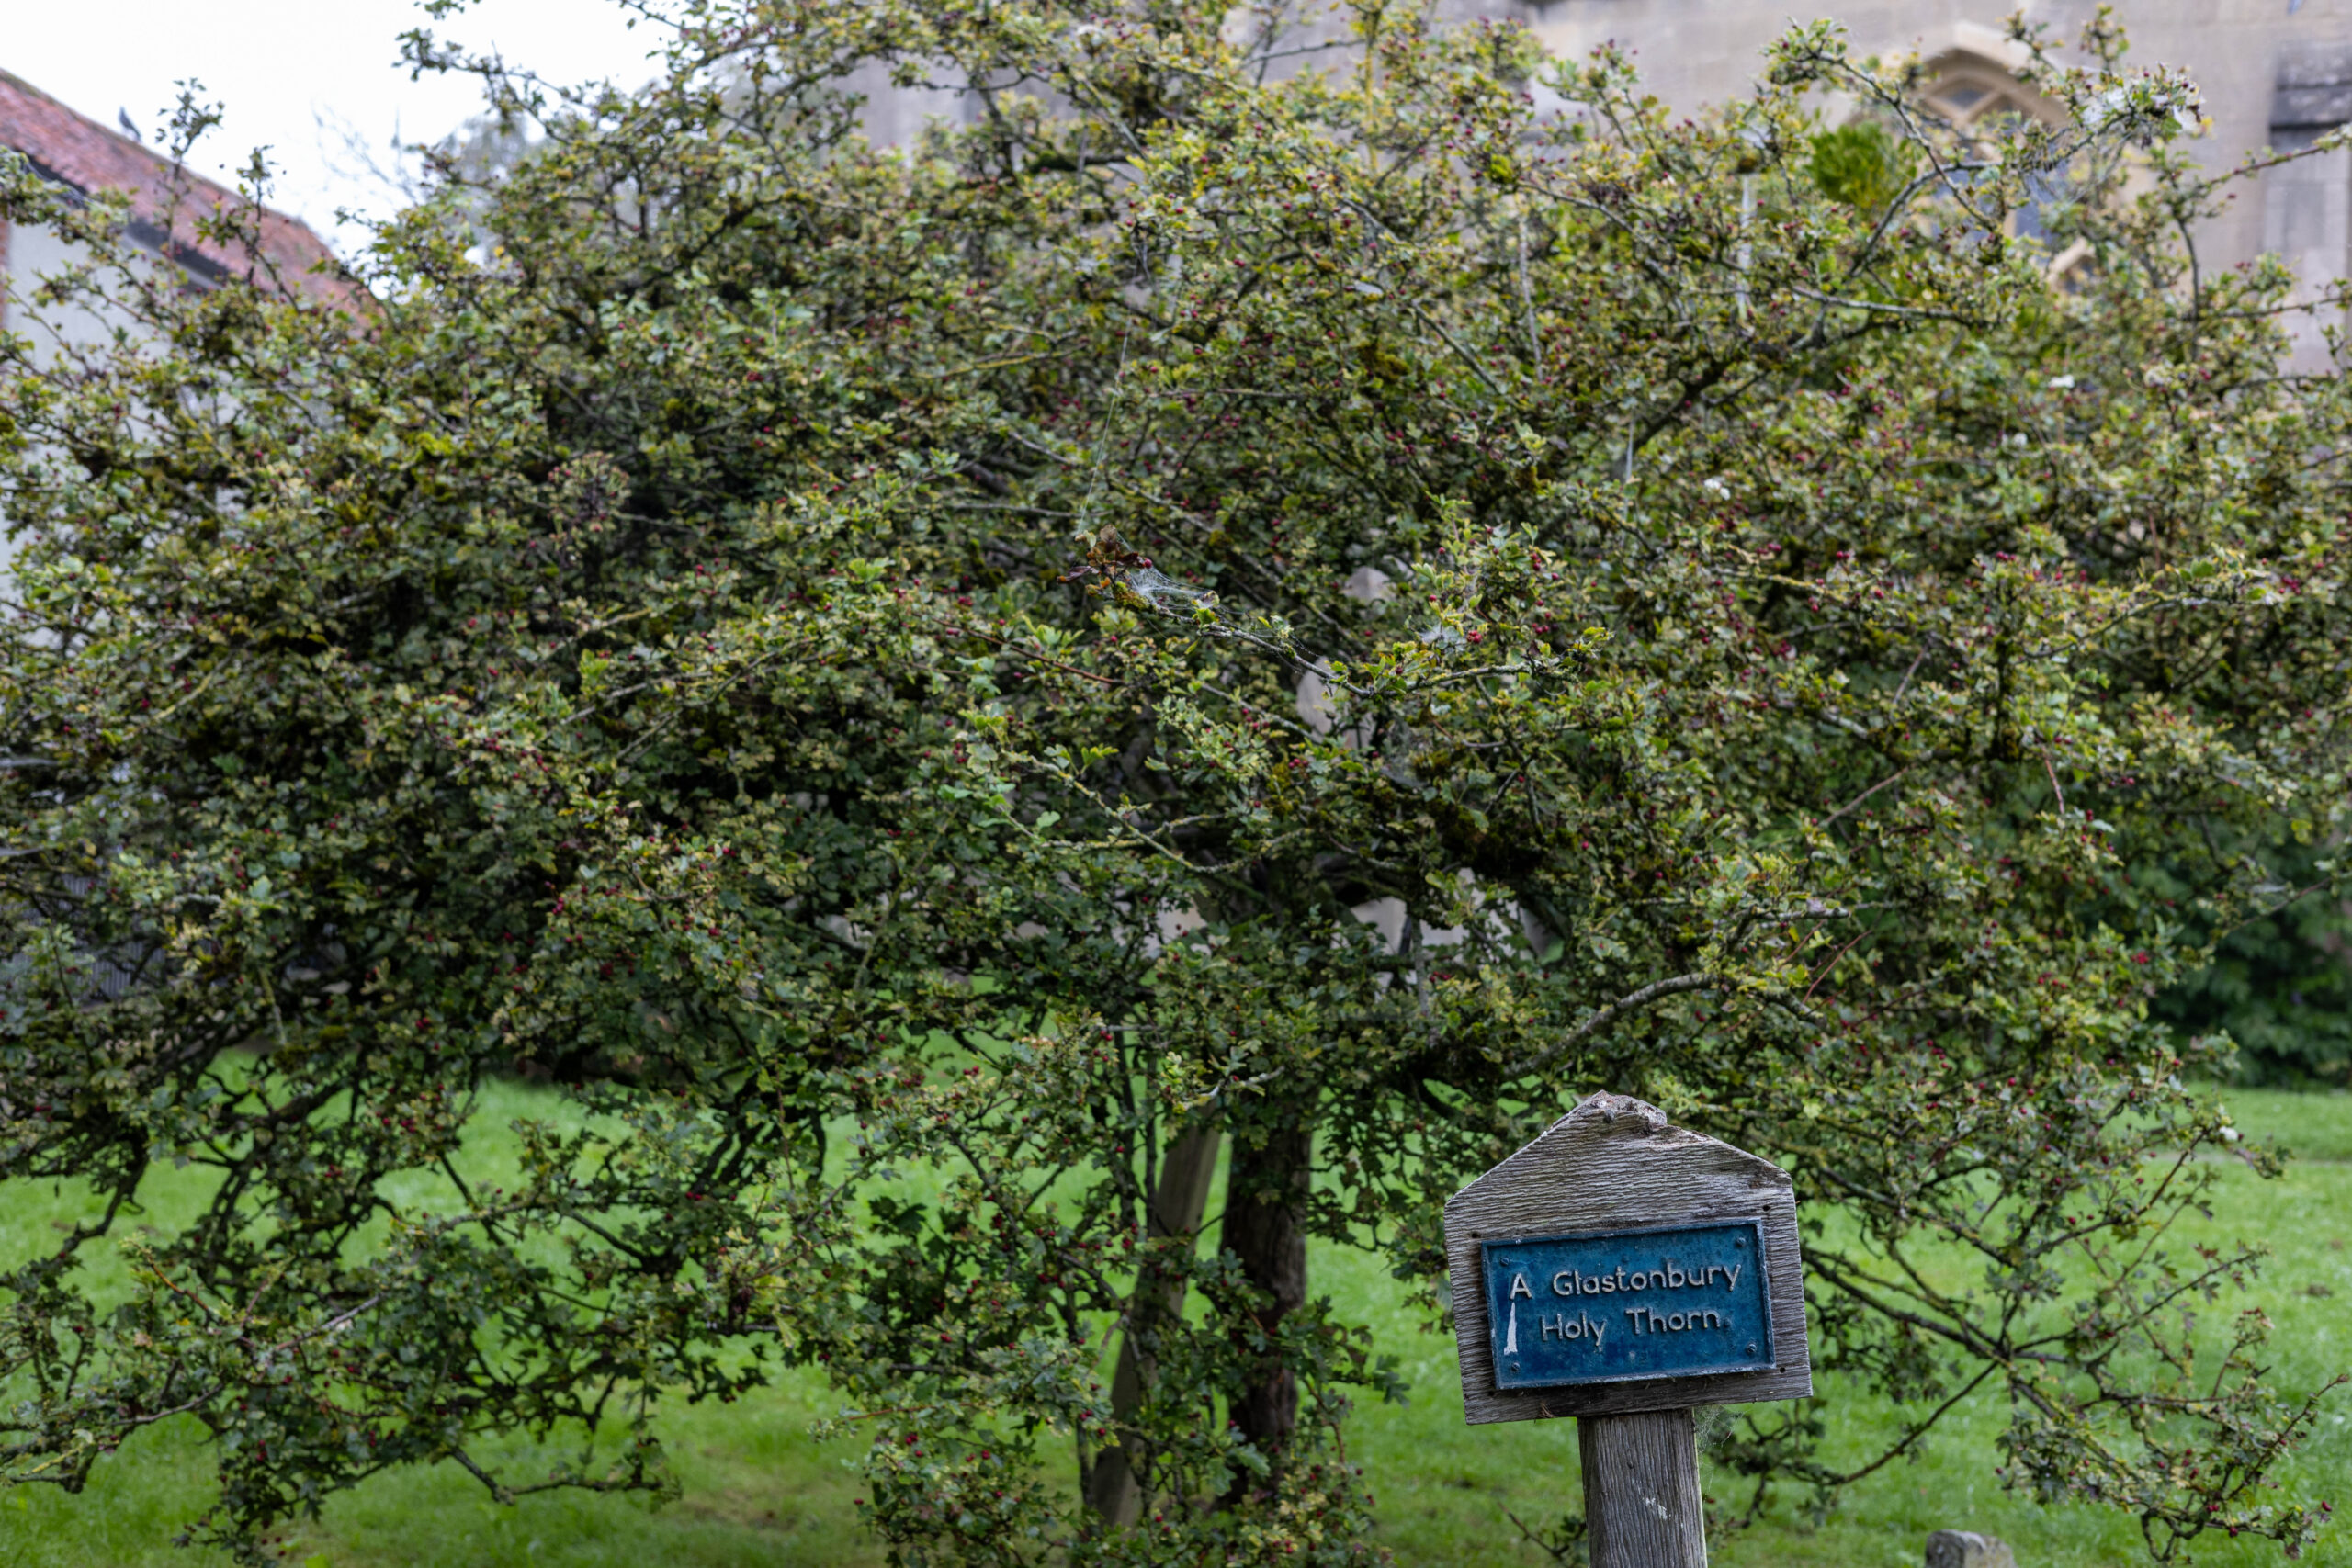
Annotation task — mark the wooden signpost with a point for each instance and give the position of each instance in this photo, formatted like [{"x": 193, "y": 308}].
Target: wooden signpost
[{"x": 1623, "y": 1272}]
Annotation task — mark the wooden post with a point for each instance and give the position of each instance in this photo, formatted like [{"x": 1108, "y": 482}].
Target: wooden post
[
  {"x": 1624, "y": 1270},
  {"x": 1642, "y": 1506}
]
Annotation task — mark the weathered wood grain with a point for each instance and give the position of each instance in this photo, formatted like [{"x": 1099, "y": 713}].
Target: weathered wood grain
[
  {"x": 1614, "y": 1162},
  {"x": 1642, "y": 1506}
]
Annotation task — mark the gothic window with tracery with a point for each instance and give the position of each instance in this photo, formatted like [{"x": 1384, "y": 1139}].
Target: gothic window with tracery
[{"x": 1980, "y": 99}]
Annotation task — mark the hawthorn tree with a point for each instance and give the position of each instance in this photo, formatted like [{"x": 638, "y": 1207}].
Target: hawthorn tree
[{"x": 1255, "y": 592}]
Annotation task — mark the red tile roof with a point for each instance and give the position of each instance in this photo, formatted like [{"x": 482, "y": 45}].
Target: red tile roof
[{"x": 86, "y": 156}]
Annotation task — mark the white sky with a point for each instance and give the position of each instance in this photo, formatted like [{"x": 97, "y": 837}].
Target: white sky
[{"x": 279, "y": 66}]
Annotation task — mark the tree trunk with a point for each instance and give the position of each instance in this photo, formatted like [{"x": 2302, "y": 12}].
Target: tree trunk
[
  {"x": 1114, "y": 1489},
  {"x": 1265, "y": 1229}
]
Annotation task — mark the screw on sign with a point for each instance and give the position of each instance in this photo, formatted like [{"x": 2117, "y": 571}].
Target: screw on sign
[{"x": 1623, "y": 1270}]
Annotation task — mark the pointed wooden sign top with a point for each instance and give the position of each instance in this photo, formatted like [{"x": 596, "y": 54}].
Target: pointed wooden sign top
[{"x": 1619, "y": 1263}]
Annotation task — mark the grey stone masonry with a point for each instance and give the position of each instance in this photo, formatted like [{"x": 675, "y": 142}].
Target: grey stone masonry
[{"x": 1966, "y": 1548}]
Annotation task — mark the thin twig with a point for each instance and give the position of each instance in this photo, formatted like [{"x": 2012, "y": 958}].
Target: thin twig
[
  {"x": 1426, "y": 319},
  {"x": 1850, "y": 806},
  {"x": 1905, "y": 684},
  {"x": 1609, "y": 1014}
]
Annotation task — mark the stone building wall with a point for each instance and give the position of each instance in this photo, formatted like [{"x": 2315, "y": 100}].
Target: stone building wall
[{"x": 2273, "y": 73}]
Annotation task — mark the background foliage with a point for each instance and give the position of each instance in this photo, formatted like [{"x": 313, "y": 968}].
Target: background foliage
[{"x": 1251, "y": 582}]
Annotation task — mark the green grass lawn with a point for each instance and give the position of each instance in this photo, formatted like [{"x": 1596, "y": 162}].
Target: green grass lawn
[{"x": 761, "y": 1493}]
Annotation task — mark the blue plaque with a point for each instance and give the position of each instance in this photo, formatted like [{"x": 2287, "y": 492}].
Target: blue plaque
[{"x": 1614, "y": 1306}]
